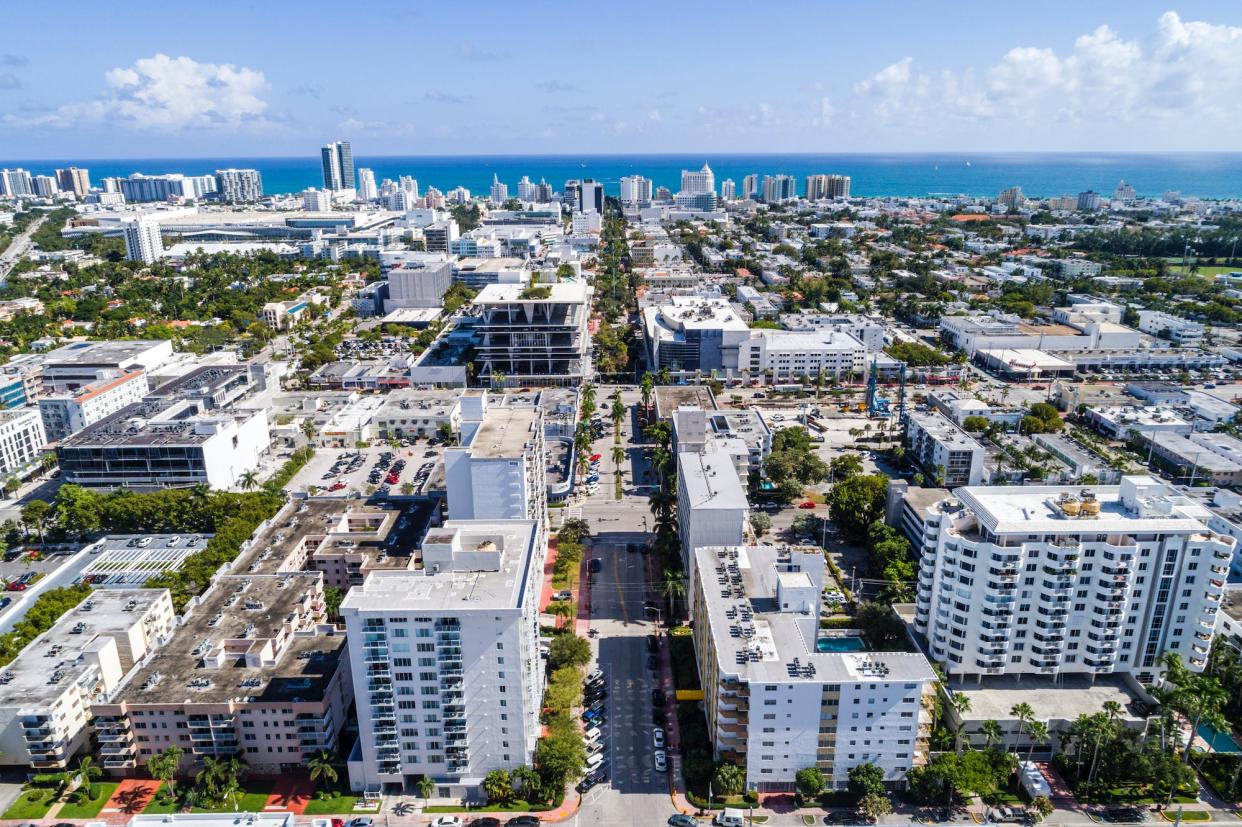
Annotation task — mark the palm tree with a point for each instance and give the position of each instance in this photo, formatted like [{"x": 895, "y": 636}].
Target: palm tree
[
  {"x": 248, "y": 481},
  {"x": 163, "y": 767},
  {"x": 961, "y": 705},
  {"x": 991, "y": 732},
  {"x": 647, "y": 387},
  {"x": 425, "y": 787},
  {"x": 229, "y": 789},
  {"x": 673, "y": 587},
  {"x": 1037, "y": 731},
  {"x": 210, "y": 776},
  {"x": 320, "y": 766},
  {"x": 662, "y": 503},
  {"x": 588, "y": 400},
  {"x": 88, "y": 771},
  {"x": 1025, "y": 715},
  {"x": 617, "y": 413}
]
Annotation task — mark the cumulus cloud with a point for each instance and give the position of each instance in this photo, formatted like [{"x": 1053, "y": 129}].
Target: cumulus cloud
[
  {"x": 467, "y": 51},
  {"x": 556, "y": 87},
  {"x": 169, "y": 94},
  {"x": 435, "y": 96},
  {"x": 309, "y": 89},
  {"x": 824, "y": 113},
  {"x": 1182, "y": 68}
]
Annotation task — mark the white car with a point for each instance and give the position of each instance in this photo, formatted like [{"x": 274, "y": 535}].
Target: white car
[
  {"x": 594, "y": 747},
  {"x": 657, "y": 738},
  {"x": 447, "y": 821},
  {"x": 597, "y": 675},
  {"x": 594, "y": 762},
  {"x": 661, "y": 762}
]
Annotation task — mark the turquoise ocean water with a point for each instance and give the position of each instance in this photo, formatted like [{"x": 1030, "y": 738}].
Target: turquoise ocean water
[{"x": 1208, "y": 175}]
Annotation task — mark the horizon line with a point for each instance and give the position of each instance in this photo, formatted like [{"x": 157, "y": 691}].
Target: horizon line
[{"x": 688, "y": 153}]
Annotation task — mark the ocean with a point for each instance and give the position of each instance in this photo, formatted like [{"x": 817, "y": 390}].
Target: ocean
[{"x": 1207, "y": 175}]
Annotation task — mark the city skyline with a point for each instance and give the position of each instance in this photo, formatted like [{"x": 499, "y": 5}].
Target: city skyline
[{"x": 1116, "y": 77}]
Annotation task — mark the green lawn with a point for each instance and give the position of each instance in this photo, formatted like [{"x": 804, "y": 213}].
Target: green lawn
[
  {"x": 31, "y": 804},
  {"x": 158, "y": 806},
  {"x": 1208, "y": 271},
  {"x": 336, "y": 803},
  {"x": 89, "y": 809},
  {"x": 1185, "y": 815}
]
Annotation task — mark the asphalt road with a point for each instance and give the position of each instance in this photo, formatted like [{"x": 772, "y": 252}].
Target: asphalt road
[
  {"x": 18, "y": 247},
  {"x": 635, "y": 794}
]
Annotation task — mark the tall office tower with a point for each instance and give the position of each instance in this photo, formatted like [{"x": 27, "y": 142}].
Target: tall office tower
[
  {"x": 15, "y": 182},
  {"x": 1089, "y": 201},
  {"x": 1011, "y": 198},
  {"x": 694, "y": 183},
  {"x": 543, "y": 192},
  {"x": 366, "y": 185},
  {"x": 750, "y": 186},
  {"x": 459, "y": 195},
  {"x": 314, "y": 200},
  {"x": 435, "y": 199},
  {"x": 239, "y": 185},
  {"x": 1124, "y": 193},
  {"x": 1059, "y": 580},
  {"x": 111, "y": 184},
  {"x": 142, "y": 240},
  {"x": 591, "y": 196},
  {"x": 500, "y": 192},
  {"x": 526, "y": 189},
  {"x": 74, "y": 180},
  {"x": 777, "y": 188},
  {"x": 635, "y": 189},
  {"x": 569, "y": 193},
  {"x": 728, "y": 190},
  {"x": 44, "y": 186},
  {"x": 820, "y": 187},
  {"x": 409, "y": 183},
  {"x": 445, "y": 659},
  {"x": 663, "y": 194},
  {"x": 338, "y": 166}
]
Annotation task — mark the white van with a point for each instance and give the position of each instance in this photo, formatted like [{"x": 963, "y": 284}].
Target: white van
[{"x": 730, "y": 817}]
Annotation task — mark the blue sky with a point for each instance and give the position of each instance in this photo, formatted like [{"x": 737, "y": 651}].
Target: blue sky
[{"x": 138, "y": 79}]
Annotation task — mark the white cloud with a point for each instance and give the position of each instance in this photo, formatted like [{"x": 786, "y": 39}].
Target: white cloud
[
  {"x": 654, "y": 115},
  {"x": 168, "y": 94},
  {"x": 824, "y": 114},
  {"x": 1182, "y": 69}
]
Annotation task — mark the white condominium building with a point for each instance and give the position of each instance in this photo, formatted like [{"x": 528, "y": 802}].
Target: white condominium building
[
  {"x": 1057, "y": 580},
  {"x": 711, "y": 501},
  {"x": 236, "y": 185},
  {"x": 949, "y": 456},
  {"x": 21, "y": 439},
  {"x": 499, "y": 471},
  {"x": 777, "y": 698},
  {"x": 788, "y": 353},
  {"x": 635, "y": 189},
  {"x": 445, "y": 660},
  {"x": 67, "y": 412},
  {"x": 142, "y": 240},
  {"x": 46, "y": 692}
]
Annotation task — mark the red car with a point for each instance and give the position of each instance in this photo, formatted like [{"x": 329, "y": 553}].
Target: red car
[
  {"x": 392, "y": 479},
  {"x": 16, "y": 586},
  {"x": 807, "y": 504},
  {"x": 336, "y": 486}
]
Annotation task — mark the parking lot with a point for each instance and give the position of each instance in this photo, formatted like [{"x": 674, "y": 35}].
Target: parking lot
[{"x": 374, "y": 470}]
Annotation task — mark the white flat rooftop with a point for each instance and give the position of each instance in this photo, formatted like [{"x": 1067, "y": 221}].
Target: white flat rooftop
[{"x": 1032, "y": 509}]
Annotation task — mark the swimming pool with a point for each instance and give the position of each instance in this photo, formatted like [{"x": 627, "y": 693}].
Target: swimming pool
[
  {"x": 840, "y": 643},
  {"x": 1216, "y": 740}
]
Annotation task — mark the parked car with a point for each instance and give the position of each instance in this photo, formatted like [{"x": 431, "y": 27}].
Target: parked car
[
  {"x": 523, "y": 821},
  {"x": 486, "y": 821},
  {"x": 657, "y": 738},
  {"x": 653, "y": 643},
  {"x": 661, "y": 761},
  {"x": 682, "y": 820},
  {"x": 596, "y": 566},
  {"x": 657, "y": 697},
  {"x": 447, "y": 821}
]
